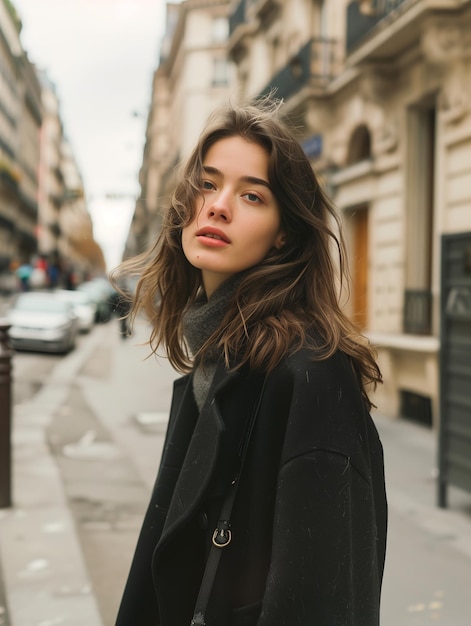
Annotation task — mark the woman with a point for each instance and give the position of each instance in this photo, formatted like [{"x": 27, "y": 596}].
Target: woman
[{"x": 270, "y": 449}]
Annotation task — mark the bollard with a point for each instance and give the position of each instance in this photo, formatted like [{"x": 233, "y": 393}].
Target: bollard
[{"x": 6, "y": 353}]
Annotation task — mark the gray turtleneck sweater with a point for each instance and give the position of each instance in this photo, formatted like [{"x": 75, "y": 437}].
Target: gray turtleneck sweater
[{"x": 199, "y": 323}]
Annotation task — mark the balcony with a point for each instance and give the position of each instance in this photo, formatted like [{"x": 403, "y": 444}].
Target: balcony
[
  {"x": 363, "y": 17},
  {"x": 9, "y": 178},
  {"x": 55, "y": 229},
  {"x": 240, "y": 28},
  {"x": 7, "y": 222},
  {"x": 27, "y": 240},
  {"x": 417, "y": 312},
  {"x": 56, "y": 200},
  {"x": 314, "y": 66},
  {"x": 380, "y": 30},
  {"x": 237, "y": 18},
  {"x": 28, "y": 205},
  {"x": 264, "y": 10}
]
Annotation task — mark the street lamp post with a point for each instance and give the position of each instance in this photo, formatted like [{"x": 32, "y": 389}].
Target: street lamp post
[{"x": 6, "y": 353}]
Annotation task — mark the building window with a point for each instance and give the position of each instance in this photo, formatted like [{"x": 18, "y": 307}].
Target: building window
[
  {"x": 420, "y": 199},
  {"x": 220, "y": 30},
  {"x": 220, "y": 73}
]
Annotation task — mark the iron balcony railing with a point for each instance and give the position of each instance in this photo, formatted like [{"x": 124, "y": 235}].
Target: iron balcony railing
[
  {"x": 361, "y": 23},
  {"x": 237, "y": 17},
  {"x": 418, "y": 312},
  {"x": 315, "y": 64}
]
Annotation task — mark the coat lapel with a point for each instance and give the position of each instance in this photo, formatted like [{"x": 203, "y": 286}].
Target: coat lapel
[{"x": 200, "y": 460}]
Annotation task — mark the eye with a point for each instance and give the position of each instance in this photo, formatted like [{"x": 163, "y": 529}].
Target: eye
[
  {"x": 252, "y": 197},
  {"x": 207, "y": 185}
]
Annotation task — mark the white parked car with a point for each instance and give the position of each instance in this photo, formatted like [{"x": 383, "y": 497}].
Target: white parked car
[
  {"x": 42, "y": 322},
  {"x": 101, "y": 293},
  {"x": 84, "y": 308}
]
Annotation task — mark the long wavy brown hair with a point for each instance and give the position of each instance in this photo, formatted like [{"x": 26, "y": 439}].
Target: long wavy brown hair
[{"x": 291, "y": 298}]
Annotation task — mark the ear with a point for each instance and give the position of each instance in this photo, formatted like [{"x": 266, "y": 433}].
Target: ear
[{"x": 280, "y": 240}]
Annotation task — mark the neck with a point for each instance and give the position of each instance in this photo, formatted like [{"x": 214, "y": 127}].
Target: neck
[{"x": 212, "y": 282}]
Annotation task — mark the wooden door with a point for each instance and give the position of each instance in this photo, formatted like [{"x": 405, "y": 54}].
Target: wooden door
[{"x": 360, "y": 267}]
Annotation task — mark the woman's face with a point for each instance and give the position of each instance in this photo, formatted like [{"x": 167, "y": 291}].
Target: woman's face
[{"x": 237, "y": 219}]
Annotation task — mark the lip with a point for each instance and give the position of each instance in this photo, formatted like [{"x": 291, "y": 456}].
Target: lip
[{"x": 213, "y": 234}]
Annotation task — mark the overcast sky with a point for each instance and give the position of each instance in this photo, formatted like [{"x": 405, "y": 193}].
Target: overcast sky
[{"x": 101, "y": 55}]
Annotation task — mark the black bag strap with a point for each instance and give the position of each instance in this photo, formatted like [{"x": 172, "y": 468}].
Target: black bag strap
[{"x": 222, "y": 535}]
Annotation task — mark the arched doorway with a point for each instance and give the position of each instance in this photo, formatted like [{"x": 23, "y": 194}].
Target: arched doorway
[{"x": 359, "y": 147}]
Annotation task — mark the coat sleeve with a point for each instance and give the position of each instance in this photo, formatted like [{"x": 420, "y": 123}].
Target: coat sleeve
[
  {"x": 327, "y": 543},
  {"x": 323, "y": 569}
]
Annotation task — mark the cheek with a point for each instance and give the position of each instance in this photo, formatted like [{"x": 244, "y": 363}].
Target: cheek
[
  {"x": 272, "y": 235},
  {"x": 185, "y": 240},
  {"x": 261, "y": 244},
  {"x": 189, "y": 229}
]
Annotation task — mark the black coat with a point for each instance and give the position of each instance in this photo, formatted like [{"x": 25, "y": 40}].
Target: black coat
[{"x": 309, "y": 520}]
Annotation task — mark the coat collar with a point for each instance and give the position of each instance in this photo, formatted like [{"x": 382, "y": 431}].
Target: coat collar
[{"x": 198, "y": 465}]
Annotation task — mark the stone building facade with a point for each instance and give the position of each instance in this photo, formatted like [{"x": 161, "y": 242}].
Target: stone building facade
[
  {"x": 32, "y": 188},
  {"x": 20, "y": 120},
  {"x": 51, "y": 180},
  {"x": 381, "y": 92},
  {"x": 82, "y": 256},
  {"x": 29, "y": 125}
]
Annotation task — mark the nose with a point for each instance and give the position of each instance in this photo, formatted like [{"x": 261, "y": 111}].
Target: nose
[{"x": 220, "y": 207}]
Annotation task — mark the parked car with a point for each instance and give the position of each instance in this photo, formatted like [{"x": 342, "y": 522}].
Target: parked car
[
  {"x": 42, "y": 322},
  {"x": 101, "y": 293},
  {"x": 84, "y": 307}
]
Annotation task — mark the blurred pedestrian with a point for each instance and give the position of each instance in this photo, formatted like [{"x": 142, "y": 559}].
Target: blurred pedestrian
[
  {"x": 39, "y": 276},
  {"x": 53, "y": 274},
  {"x": 23, "y": 273},
  {"x": 269, "y": 507},
  {"x": 121, "y": 304}
]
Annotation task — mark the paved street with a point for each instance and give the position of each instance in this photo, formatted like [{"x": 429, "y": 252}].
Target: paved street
[{"x": 87, "y": 446}]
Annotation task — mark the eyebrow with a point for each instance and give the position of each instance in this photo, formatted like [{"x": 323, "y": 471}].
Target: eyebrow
[{"x": 209, "y": 169}]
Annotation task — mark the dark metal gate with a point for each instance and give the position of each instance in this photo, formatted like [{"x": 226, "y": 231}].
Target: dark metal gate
[{"x": 454, "y": 449}]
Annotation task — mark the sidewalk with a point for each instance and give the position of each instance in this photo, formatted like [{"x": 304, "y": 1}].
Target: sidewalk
[
  {"x": 45, "y": 579},
  {"x": 76, "y": 517},
  {"x": 80, "y": 495},
  {"x": 428, "y": 562}
]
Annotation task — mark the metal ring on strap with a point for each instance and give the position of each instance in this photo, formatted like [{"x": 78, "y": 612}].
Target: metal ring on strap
[{"x": 224, "y": 535}]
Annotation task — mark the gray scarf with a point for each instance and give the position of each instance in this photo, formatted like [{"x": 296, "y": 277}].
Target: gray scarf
[{"x": 199, "y": 323}]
